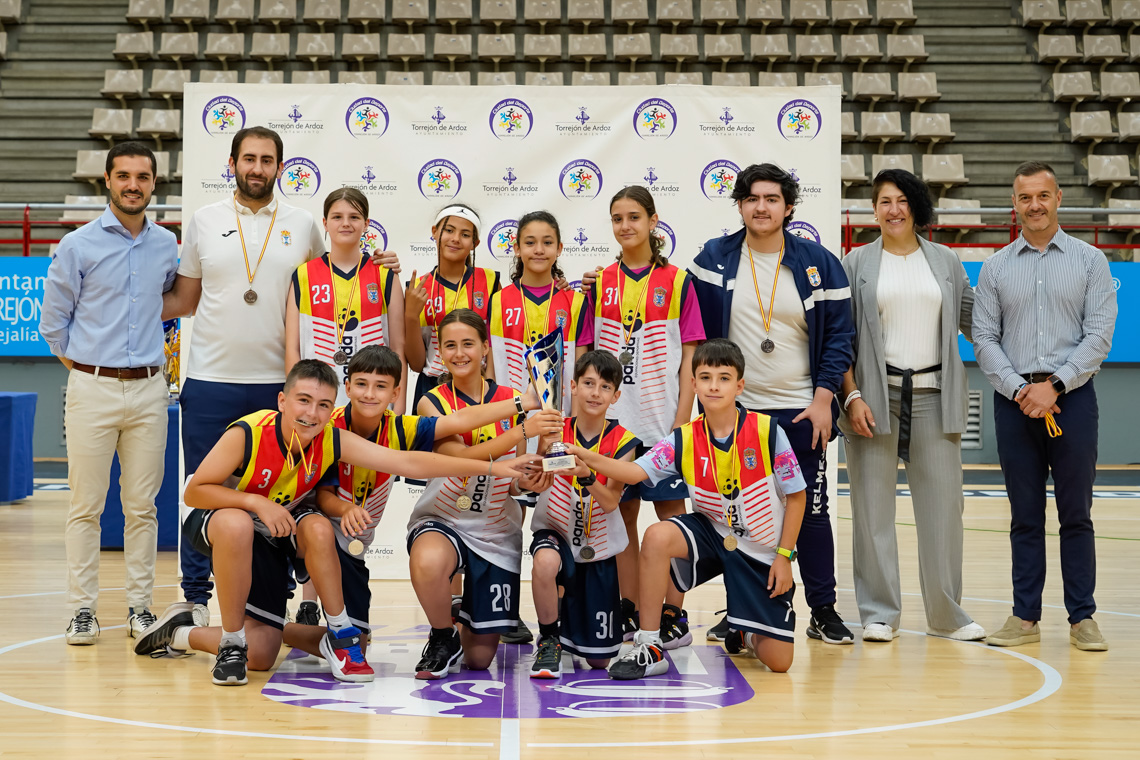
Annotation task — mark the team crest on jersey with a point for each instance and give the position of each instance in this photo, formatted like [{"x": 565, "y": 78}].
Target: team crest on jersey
[
  {"x": 286, "y": 238},
  {"x": 478, "y": 299},
  {"x": 373, "y": 293},
  {"x": 561, "y": 318},
  {"x": 750, "y": 458},
  {"x": 813, "y": 277},
  {"x": 659, "y": 297},
  {"x": 505, "y": 425}
]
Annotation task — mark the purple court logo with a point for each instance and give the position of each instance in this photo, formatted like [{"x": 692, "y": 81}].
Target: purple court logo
[
  {"x": 511, "y": 119},
  {"x": 799, "y": 120},
  {"x": 366, "y": 117},
  {"x": 501, "y": 240},
  {"x": 374, "y": 239},
  {"x": 440, "y": 178},
  {"x": 580, "y": 179},
  {"x": 699, "y": 678},
  {"x": 805, "y": 231},
  {"x": 664, "y": 233},
  {"x": 223, "y": 116},
  {"x": 300, "y": 178},
  {"x": 718, "y": 179},
  {"x": 655, "y": 118}
]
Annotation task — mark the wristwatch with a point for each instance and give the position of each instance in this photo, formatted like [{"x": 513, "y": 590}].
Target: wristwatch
[
  {"x": 791, "y": 554},
  {"x": 587, "y": 481},
  {"x": 1057, "y": 383},
  {"x": 519, "y": 404}
]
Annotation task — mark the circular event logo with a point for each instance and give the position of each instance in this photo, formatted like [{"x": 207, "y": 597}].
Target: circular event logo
[
  {"x": 439, "y": 178},
  {"x": 799, "y": 120},
  {"x": 375, "y": 238},
  {"x": 366, "y": 117},
  {"x": 300, "y": 178},
  {"x": 501, "y": 240},
  {"x": 805, "y": 231},
  {"x": 580, "y": 179},
  {"x": 511, "y": 118},
  {"x": 718, "y": 178},
  {"x": 223, "y": 116},
  {"x": 655, "y": 118},
  {"x": 665, "y": 234}
]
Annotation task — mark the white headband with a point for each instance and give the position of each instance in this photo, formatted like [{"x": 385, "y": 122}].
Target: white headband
[{"x": 460, "y": 211}]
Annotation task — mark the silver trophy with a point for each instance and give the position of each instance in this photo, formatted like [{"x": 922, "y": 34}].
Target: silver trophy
[{"x": 545, "y": 359}]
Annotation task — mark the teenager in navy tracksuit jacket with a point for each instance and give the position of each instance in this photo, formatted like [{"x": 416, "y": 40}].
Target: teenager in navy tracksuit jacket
[{"x": 824, "y": 290}]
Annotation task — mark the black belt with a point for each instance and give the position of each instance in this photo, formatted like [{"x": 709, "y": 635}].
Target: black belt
[
  {"x": 1039, "y": 377},
  {"x": 905, "y": 404}
]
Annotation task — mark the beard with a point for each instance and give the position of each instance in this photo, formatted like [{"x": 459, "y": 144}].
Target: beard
[
  {"x": 119, "y": 203},
  {"x": 254, "y": 195}
]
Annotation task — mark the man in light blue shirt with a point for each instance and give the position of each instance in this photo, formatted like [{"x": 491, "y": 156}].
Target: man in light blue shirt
[{"x": 102, "y": 316}]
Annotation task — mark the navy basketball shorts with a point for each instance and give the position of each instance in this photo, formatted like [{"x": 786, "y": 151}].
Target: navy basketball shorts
[
  {"x": 353, "y": 574},
  {"x": 490, "y": 593},
  {"x": 669, "y": 489},
  {"x": 589, "y": 612},
  {"x": 745, "y": 580},
  {"x": 269, "y": 585}
]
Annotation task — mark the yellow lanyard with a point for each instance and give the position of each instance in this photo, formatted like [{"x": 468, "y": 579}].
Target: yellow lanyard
[
  {"x": 545, "y": 317},
  {"x": 712, "y": 463},
  {"x": 336, "y": 305},
  {"x": 756, "y": 285},
  {"x": 241, "y": 236},
  {"x": 588, "y": 508},
  {"x": 1051, "y": 426},
  {"x": 289, "y": 454},
  {"x": 381, "y": 435},
  {"x": 436, "y": 317},
  {"x": 640, "y": 302},
  {"x": 476, "y": 439}
]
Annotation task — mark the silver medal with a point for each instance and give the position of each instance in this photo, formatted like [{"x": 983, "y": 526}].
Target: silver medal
[
  {"x": 340, "y": 357},
  {"x": 250, "y": 296},
  {"x": 767, "y": 346},
  {"x": 587, "y": 553}
]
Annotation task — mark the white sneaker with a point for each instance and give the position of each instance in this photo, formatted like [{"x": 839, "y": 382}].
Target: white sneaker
[
  {"x": 138, "y": 621},
  {"x": 83, "y": 629},
  {"x": 201, "y": 616},
  {"x": 879, "y": 632},
  {"x": 969, "y": 632}
]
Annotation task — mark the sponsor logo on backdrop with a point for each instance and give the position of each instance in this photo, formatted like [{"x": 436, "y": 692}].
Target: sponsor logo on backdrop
[
  {"x": 366, "y": 117},
  {"x": 509, "y": 184},
  {"x": 371, "y": 184},
  {"x": 799, "y": 120},
  {"x": 375, "y": 238},
  {"x": 661, "y": 187},
  {"x": 223, "y": 184},
  {"x": 581, "y": 123},
  {"x": 727, "y": 123},
  {"x": 655, "y": 118},
  {"x": 440, "y": 178},
  {"x": 808, "y": 190},
  {"x": 718, "y": 179},
  {"x": 295, "y": 122},
  {"x": 501, "y": 239},
  {"x": 223, "y": 115},
  {"x": 665, "y": 234},
  {"x": 437, "y": 121},
  {"x": 805, "y": 231},
  {"x": 511, "y": 119},
  {"x": 300, "y": 178},
  {"x": 577, "y": 244},
  {"x": 580, "y": 179}
]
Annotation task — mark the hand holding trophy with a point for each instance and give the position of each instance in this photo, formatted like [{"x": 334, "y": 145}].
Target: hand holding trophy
[{"x": 545, "y": 359}]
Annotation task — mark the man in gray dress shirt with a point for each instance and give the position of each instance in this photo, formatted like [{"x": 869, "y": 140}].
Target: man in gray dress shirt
[{"x": 1044, "y": 313}]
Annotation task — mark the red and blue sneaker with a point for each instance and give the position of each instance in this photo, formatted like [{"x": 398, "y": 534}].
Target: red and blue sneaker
[{"x": 344, "y": 654}]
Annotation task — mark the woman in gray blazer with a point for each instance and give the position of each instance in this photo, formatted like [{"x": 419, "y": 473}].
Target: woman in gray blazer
[{"x": 905, "y": 397}]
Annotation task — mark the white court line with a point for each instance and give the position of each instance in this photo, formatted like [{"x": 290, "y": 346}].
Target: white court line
[
  {"x": 509, "y": 741},
  {"x": 1051, "y": 684}
]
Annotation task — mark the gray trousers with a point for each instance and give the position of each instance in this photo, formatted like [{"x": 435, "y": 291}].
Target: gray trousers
[{"x": 934, "y": 475}]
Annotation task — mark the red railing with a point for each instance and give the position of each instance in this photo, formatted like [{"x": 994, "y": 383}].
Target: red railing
[{"x": 26, "y": 225}]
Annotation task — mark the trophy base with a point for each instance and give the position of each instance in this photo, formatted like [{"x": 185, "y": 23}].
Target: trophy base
[{"x": 558, "y": 462}]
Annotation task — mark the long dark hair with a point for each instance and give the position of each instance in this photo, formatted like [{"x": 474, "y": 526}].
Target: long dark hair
[
  {"x": 467, "y": 317},
  {"x": 915, "y": 190},
  {"x": 529, "y": 218},
  {"x": 643, "y": 198},
  {"x": 443, "y": 223}
]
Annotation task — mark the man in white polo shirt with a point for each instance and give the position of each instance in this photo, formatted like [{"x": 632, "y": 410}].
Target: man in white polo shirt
[{"x": 238, "y": 256}]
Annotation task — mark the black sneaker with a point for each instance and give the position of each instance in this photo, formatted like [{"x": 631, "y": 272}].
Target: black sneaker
[
  {"x": 719, "y": 631},
  {"x": 735, "y": 642},
  {"x": 675, "y": 628},
  {"x": 630, "y": 620},
  {"x": 827, "y": 626},
  {"x": 159, "y": 635},
  {"x": 229, "y": 670},
  {"x": 440, "y": 656},
  {"x": 641, "y": 661},
  {"x": 308, "y": 614},
  {"x": 520, "y": 635},
  {"x": 548, "y": 659}
]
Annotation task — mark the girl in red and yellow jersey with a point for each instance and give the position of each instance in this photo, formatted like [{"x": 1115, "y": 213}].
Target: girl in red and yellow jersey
[
  {"x": 473, "y": 525},
  {"x": 342, "y": 302},
  {"x": 533, "y": 306},
  {"x": 454, "y": 283}
]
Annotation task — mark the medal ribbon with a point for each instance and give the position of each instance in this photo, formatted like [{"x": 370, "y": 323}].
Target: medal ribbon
[
  {"x": 590, "y": 507},
  {"x": 336, "y": 305},
  {"x": 640, "y": 302},
  {"x": 545, "y": 317},
  {"x": 1051, "y": 426},
  {"x": 436, "y": 317},
  {"x": 241, "y": 236},
  {"x": 289, "y": 454},
  {"x": 733, "y": 468},
  {"x": 756, "y": 285},
  {"x": 482, "y": 395},
  {"x": 381, "y": 435}
]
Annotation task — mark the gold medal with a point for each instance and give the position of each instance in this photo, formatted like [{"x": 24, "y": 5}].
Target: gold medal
[
  {"x": 250, "y": 296},
  {"x": 356, "y": 547},
  {"x": 463, "y": 502},
  {"x": 730, "y": 542}
]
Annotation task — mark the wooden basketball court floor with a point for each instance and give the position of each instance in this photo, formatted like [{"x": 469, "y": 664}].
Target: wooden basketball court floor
[{"x": 919, "y": 697}]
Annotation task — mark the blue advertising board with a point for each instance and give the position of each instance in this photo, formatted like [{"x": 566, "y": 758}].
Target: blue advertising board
[{"x": 21, "y": 300}]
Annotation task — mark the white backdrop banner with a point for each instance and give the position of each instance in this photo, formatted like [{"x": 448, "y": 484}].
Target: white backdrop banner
[{"x": 509, "y": 150}]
